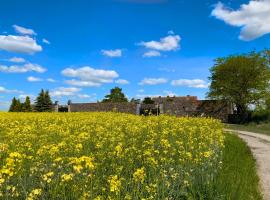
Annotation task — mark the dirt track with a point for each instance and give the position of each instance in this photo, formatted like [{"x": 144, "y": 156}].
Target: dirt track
[{"x": 260, "y": 147}]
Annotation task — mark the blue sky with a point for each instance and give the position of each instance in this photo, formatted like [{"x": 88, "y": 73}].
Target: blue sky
[{"x": 80, "y": 49}]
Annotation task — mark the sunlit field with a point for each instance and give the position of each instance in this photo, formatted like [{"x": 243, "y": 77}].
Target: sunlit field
[{"x": 107, "y": 156}]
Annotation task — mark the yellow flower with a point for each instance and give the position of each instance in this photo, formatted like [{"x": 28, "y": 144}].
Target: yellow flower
[
  {"x": 34, "y": 194},
  {"x": 114, "y": 183},
  {"x": 47, "y": 177},
  {"x": 139, "y": 175},
  {"x": 66, "y": 177}
]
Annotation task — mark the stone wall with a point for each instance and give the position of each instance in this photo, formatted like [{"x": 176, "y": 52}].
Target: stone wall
[
  {"x": 216, "y": 109},
  {"x": 178, "y": 106},
  {"x": 103, "y": 107},
  {"x": 183, "y": 107}
]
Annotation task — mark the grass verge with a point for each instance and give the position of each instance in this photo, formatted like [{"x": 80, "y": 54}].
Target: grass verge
[
  {"x": 238, "y": 178},
  {"x": 263, "y": 128}
]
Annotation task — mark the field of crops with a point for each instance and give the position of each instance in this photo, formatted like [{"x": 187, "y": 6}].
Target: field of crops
[{"x": 107, "y": 156}]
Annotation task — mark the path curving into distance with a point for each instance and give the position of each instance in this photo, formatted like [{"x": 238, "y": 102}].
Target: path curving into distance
[{"x": 260, "y": 147}]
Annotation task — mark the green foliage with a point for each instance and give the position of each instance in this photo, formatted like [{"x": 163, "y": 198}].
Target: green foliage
[
  {"x": 148, "y": 100},
  {"x": 133, "y": 100},
  {"x": 263, "y": 127},
  {"x": 237, "y": 178},
  {"x": 15, "y": 106},
  {"x": 116, "y": 95},
  {"x": 43, "y": 102},
  {"x": 26, "y": 107},
  {"x": 241, "y": 79}
]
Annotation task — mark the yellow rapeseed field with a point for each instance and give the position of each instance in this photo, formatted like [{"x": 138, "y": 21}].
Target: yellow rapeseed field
[{"x": 107, "y": 156}]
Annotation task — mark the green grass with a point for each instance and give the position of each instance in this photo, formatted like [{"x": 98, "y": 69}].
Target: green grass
[
  {"x": 263, "y": 128},
  {"x": 238, "y": 178}
]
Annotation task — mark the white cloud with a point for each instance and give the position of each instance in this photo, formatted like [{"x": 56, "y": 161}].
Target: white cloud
[
  {"x": 83, "y": 96},
  {"x": 112, "y": 53},
  {"x": 141, "y": 90},
  {"x": 29, "y": 67},
  {"x": 17, "y": 60},
  {"x": 23, "y": 97},
  {"x": 153, "y": 81},
  {"x": 151, "y": 53},
  {"x": 169, "y": 43},
  {"x": 4, "y": 103},
  {"x": 171, "y": 32},
  {"x": 51, "y": 80},
  {"x": 64, "y": 91},
  {"x": 142, "y": 96},
  {"x": 4, "y": 90},
  {"x": 89, "y": 77},
  {"x": 19, "y": 44},
  {"x": 24, "y": 31},
  {"x": 253, "y": 18},
  {"x": 122, "y": 81},
  {"x": 68, "y": 92},
  {"x": 34, "y": 79},
  {"x": 46, "y": 41},
  {"x": 169, "y": 93},
  {"x": 192, "y": 83}
]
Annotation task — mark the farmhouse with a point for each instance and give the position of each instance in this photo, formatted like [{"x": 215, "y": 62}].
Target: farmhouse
[{"x": 178, "y": 106}]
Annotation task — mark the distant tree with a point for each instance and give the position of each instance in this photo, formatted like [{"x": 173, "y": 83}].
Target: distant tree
[
  {"x": 43, "y": 102},
  {"x": 13, "y": 105},
  {"x": 26, "y": 107},
  {"x": 133, "y": 100},
  {"x": 18, "y": 106},
  {"x": 241, "y": 79},
  {"x": 116, "y": 95},
  {"x": 148, "y": 100}
]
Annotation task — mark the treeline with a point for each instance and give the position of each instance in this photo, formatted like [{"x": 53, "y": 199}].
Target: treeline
[{"x": 43, "y": 103}]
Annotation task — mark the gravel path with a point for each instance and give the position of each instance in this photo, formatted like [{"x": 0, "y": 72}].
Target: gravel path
[{"x": 260, "y": 147}]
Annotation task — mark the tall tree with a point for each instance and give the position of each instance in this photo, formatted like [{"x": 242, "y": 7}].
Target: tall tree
[
  {"x": 241, "y": 79},
  {"x": 43, "y": 102},
  {"x": 116, "y": 95},
  {"x": 148, "y": 100},
  {"x": 13, "y": 105},
  {"x": 18, "y": 106},
  {"x": 26, "y": 107}
]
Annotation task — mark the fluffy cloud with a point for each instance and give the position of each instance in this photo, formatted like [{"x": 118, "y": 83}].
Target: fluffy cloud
[
  {"x": 4, "y": 90},
  {"x": 19, "y": 44},
  {"x": 253, "y": 18},
  {"x": 24, "y": 31},
  {"x": 151, "y": 53},
  {"x": 68, "y": 92},
  {"x": 142, "y": 96},
  {"x": 50, "y": 80},
  {"x": 34, "y": 79},
  {"x": 64, "y": 91},
  {"x": 112, "y": 53},
  {"x": 89, "y": 77},
  {"x": 17, "y": 60},
  {"x": 153, "y": 81},
  {"x": 29, "y": 67},
  {"x": 46, "y": 41},
  {"x": 192, "y": 83},
  {"x": 23, "y": 97},
  {"x": 122, "y": 81},
  {"x": 169, "y": 93},
  {"x": 169, "y": 43}
]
